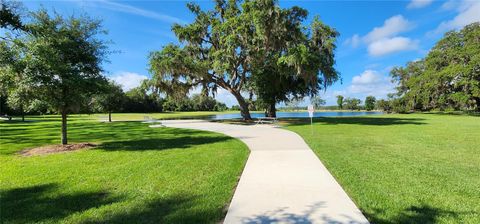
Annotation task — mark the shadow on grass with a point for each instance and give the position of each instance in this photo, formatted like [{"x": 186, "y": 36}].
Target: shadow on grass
[
  {"x": 161, "y": 143},
  {"x": 173, "y": 209},
  {"x": 40, "y": 204},
  {"x": 378, "y": 121},
  {"x": 416, "y": 214},
  {"x": 115, "y": 136},
  {"x": 457, "y": 113},
  {"x": 37, "y": 204}
]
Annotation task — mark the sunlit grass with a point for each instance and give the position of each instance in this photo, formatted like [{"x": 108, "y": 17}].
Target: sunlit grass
[
  {"x": 417, "y": 168},
  {"x": 137, "y": 174}
]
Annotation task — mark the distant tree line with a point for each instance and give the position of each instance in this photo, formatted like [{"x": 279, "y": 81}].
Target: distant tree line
[
  {"x": 352, "y": 103},
  {"x": 114, "y": 100},
  {"x": 50, "y": 63}
]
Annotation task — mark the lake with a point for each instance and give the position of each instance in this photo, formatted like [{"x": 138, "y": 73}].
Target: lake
[{"x": 298, "y": 114}]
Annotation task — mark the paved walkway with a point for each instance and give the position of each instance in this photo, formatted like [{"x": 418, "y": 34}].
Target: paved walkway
[{"x": 283, "y": 180}]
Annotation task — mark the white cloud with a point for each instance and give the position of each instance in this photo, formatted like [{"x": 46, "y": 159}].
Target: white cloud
[
  {"x": 370, "y": 82},
  {"x": 391, "y": 27},
  {"x": 128, "y": 80},
  {"x": 120, "y": 7},
  {"x": 416, "y": 4},
  {"x": 353, "y": 41},
  {"x": 468, "y": 12},
  {"x": 384, "y": 39},
  {"x": 391, "y": 45},
  {"x": 450, "y": 4},
  {"x": 367, "y": 77}
]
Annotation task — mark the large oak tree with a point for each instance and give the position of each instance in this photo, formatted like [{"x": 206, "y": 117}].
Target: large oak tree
[
  {"x": 447, "y": 78},
  {"x": 249, "y": 46}
]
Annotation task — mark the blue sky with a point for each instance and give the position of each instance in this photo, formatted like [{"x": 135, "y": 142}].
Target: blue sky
[{"x": 374, "y": 35}]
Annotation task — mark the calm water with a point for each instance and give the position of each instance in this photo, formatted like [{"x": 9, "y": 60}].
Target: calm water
[{"x": 297, "y": 114}]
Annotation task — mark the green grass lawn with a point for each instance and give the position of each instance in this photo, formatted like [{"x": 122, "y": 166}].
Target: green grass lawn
[
  {"x": 417, "y": 168},
  {"x": 136, "y": 174},
  {"x": 141, "y": 116},
  {"x": 163, "y": 115}
]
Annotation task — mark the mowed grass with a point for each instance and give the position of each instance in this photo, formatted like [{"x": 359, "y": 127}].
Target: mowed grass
[
  {"x": 136, "y": 174},
  {"x": 416, "y": 168},
  {"x": 163, "y": 115}
]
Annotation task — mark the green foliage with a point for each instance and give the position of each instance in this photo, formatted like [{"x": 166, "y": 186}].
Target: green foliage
[
  {"x": 110, "y": 99},
  {"x": 289, "y": 60},
  {"x": 448, "y": 78},
  {"x": 182, "y": 104},
  {"x": 253, "y": 46},
  {"x": 384, "y": 105},
  {"x": 39, "y": 107},
  {"x": 65, "y": 58},
  {"x": 57, "y": 60},
  {"x": 9, "y": 15},
  {"x": 203, "y": 103},
  {"x": 197, "y": 102},
  {"x": 340, "y": 99},
  {"x": 352, "y": 103},
  {"x": 212, "y": 54},
  {"x": 139, "y": 100},
  {"x": 370, "y": 103},
  {"x": 317, "y": 102},
  {"x": 235, "y": 107}
]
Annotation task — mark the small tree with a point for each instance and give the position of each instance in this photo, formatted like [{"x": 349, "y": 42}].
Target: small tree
[
  {"x": 64, "y": 61},
  {"x": 317, "y": 102},
  {"x": 110, "y": 100},
  {"x": 352, "y": 103},
  {"x": 20, "y": 98},
  {"x": 370, "y": 103},
  {"x": 14, "y": 83},
  {"x": 340, "y": 101},
  {"x": 384, "y": 105}
]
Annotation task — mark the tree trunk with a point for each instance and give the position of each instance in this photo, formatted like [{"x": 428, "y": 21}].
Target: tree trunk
[
  {"x": 109, "y": 116},
  {"x": 243, "y": 106},
  {"x": 64, "y": 128},
  {"x": 271, "y": 110},
  {"x": 23, "y": 113}
]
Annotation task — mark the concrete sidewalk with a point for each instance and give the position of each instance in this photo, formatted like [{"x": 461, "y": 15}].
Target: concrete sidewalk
[{"x": 283, "y": 180}]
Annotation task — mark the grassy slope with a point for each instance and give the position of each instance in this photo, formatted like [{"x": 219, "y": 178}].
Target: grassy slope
[
  {"x": 136, "y": 174},
  {"x": 419, "y": 168}
]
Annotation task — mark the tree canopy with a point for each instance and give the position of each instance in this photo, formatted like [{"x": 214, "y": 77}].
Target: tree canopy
[
  {"x": 110, "y": 99},
  {"x": 447, "y": 78},
  {"x": 370, "y": 103},
  {"x": 290, "y": 60},
  {"x": 249, "y": 46},
  {"x": 59, "y": 59},
  {"x": 340, "y": 99},
  {"x": 352, "y": 103}
]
